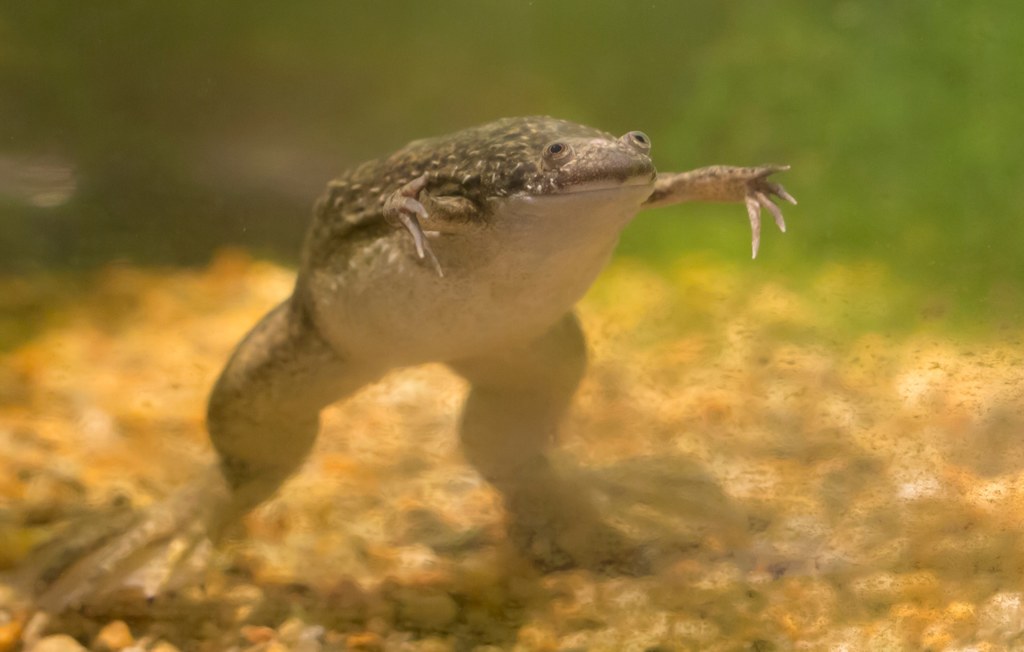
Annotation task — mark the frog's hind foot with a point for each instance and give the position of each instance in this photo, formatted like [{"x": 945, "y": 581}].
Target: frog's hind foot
[
  {"x": 142, "y": 553},
  {"x": 593, "y": 546}
]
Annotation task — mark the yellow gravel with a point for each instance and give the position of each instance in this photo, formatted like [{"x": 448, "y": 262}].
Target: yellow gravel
[{"x": 809, "y": 486}]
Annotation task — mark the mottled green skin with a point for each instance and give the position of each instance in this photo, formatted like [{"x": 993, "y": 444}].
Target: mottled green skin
[{"x": 497, "y": 159}]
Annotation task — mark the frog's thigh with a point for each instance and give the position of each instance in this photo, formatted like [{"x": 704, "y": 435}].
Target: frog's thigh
[
  {"x": 263, "y": 414},
  {"x": 518, "y": 397}
]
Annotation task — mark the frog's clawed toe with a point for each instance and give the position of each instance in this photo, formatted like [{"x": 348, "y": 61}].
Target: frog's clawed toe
[
  {"x": 403, "y": 208},
  {"x": 759, "y": 196},
  {"x": 144, "y": 560}
]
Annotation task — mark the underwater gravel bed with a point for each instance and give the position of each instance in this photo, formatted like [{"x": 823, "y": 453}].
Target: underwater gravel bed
[{"x": 798, "y": 492}]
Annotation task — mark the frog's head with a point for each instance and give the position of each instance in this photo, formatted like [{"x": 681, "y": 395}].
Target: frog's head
[
  {"x": 559, "y": 157},
  {"x": 542, "y": 156}
]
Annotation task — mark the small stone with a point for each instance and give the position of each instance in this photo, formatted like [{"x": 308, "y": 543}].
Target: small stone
[
  {"x": 257, "y": 633},
  {"x": 380, "y": 612},
  {"x": 291, "y": 629},
  {"x": 368, "y": 641},
  {"x": 115, "y": 635},
  {"x": 1002, "y": 617},
  {"x": 245, "y": 599},
  {"x": 428, "y": 610},
  {"x": 434, "y": 644},
  {"x": 244, "y": 594},
  {"x": 878, "y": 590},
  {"x": 348, "y": 601},
  {"x": 299, "y": 636},
  {"x": 294, "y": 629},
  {"x": 57, "y": 643},
  {"x": 536, "y": 637},
  {"x": 10, "y": 634}
]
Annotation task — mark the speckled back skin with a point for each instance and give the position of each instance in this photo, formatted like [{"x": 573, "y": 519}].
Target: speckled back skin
[{"x": 498, "y": 159}]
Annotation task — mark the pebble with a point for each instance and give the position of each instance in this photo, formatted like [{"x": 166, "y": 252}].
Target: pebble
[
  {"x": 300, "y": 637},
  {"x": 257, "y": 633},
  {"x": 348, "y": 601},
  {"x": 291, "y": 629},
  {"x": 880, "y": 605},
  {"x": 57, "y": 643},
  {"x": 10, "y": 634},
  {"x": 366, "y": 641},
  {"x": 428, "y": 610},
  {"x": 1002, "y": 617},
  {"x": 115, "y": 635},
  {"x": 434, "y": 644},
  {"x": 878, "y": 590}
]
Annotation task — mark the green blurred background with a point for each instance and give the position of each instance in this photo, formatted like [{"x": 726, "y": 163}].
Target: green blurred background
[{"x": 156, "y": 132}]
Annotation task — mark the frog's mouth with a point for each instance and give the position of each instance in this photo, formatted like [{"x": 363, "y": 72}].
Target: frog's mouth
[
  {"x": 595, "y": 202},
  {"x": 598, "y": 190},
  {"x": 607, "y": 184},
  {"x": 612, "y": 170}
]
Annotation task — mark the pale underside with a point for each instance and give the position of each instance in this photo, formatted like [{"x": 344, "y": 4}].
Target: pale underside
[{"x": 532, "y": 260}]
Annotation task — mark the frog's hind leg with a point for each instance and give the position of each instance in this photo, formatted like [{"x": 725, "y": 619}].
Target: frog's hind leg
[
  {"x": 264, "y": 411},
  {"x": 263, "y": 417},
  {"x": 519, "y": 396}
]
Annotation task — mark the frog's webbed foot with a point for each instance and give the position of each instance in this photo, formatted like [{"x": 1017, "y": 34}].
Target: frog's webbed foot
[
  {"x": 557, "y": 528},
  {"x": 403, "y": 208},
  {"x": 519, "y": 396},
  {"x": 759, "y": 193},
  {"x": 147, "y": 552}
]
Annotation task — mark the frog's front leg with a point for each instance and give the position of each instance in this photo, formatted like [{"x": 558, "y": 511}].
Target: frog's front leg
[
  {"x": 262, "y": 418},
  {"x": 726, "y": 183},
  {"x": 518, "y": 398},
  {"x": 447, "y": 214}
]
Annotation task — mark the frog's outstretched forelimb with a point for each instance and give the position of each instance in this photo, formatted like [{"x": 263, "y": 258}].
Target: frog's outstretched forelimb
[{"x": 726, "y": 183}]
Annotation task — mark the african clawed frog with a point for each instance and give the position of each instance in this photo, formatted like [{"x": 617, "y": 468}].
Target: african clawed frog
[{"x": 468, "y": 249}]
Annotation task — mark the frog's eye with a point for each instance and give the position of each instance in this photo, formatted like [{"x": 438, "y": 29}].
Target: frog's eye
[
  {"x": 639, "y": 140},
  {"x": 557, "y": 153}
]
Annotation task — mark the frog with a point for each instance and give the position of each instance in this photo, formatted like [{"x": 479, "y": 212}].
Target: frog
[{"x": 470, "y": 250}]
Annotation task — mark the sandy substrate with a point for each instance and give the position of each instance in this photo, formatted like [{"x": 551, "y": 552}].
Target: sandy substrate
[{"x": 863, "y": 492}]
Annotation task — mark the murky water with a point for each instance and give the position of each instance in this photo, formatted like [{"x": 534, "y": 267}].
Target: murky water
[{"x": 819, "y": 449}]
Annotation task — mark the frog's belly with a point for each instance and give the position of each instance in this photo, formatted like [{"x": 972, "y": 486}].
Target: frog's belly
[{"x": 503, "y": 283}]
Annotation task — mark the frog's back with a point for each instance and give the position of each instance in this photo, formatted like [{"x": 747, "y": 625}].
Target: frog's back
[{"x": 496, "y": 159}]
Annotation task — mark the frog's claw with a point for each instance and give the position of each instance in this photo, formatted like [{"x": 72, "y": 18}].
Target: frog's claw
[
  {"x": 403, "y": 208},
  {"x": 759, "y": 192}
]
